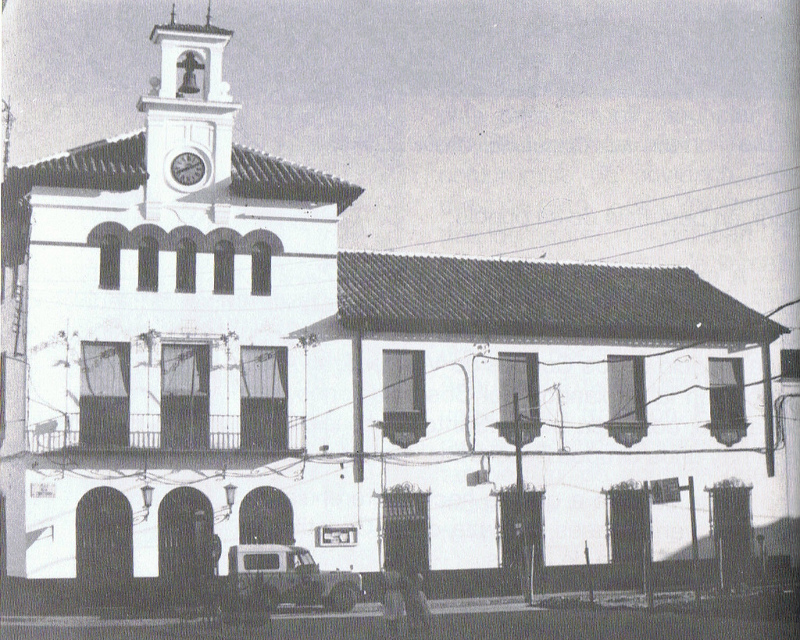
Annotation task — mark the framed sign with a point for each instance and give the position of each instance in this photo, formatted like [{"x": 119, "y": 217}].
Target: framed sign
[
  {"x": 43, "y": 490},
  {"x": 667, "y": 490},
  {"x": 336, "y": 536}
]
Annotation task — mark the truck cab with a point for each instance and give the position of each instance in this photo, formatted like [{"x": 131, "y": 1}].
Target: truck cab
[{"x": 266, "y": 575}]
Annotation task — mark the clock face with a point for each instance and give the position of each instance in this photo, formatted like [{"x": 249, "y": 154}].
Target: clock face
[{"x": 188, "y": 169}]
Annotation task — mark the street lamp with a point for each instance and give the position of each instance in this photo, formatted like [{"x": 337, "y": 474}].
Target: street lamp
[
  {"x": 230, "y": 497},
  {"x": 147, "y": 499}
]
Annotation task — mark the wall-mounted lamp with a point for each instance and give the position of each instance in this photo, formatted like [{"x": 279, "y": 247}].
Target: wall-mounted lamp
[
  {"x": 230, "y": 498},
  {"x": 147, "y": 499}
]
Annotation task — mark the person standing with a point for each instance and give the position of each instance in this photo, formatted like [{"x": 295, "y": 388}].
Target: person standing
[
  {"x": 418, "y": 610},
  {"x": 393, "y": 604}
]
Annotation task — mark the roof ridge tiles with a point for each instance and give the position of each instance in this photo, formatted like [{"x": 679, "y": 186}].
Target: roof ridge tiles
[
  {"x": 503, "y": 259},
  {"x": 291, "y": 164},
  {"x": 81, "y": 148}
]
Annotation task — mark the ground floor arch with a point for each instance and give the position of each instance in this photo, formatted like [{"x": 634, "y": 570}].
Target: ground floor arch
[
  {"x": 266, "y": 517},
  {"x": 185, "y": 541},
  {"x": 104, "y": 545}
]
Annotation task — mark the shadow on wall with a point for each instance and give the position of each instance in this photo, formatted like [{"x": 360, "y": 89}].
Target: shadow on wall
[{"x": 781, "y": 538}]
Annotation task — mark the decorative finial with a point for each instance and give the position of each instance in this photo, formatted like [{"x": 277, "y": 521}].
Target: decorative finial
[{"x": 208, "y": 14}]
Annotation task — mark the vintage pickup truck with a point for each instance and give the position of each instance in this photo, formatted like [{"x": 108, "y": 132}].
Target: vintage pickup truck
[{"x": 262, "y": 576}]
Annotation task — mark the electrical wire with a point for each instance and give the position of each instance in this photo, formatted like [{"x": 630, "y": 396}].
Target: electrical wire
[
  {"x": 644, "y": 225},
  {"x": 594, "y": 212},
  {"x": 698, "y": 235}
]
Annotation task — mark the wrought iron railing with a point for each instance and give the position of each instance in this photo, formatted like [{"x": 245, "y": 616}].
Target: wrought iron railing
[{"x": 224, "y": 433}]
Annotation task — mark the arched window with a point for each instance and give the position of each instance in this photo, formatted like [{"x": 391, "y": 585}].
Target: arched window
[
  {"x": 186, "y": 268},
  {"x": 148, "y": 264},
  {"x": 262, "y": 270},
  {"x": 104, "y": 545},
  {"x": 109, "y": 262},
  {"x": 223, "y": 267},
  {"x": 266, "y": 517}
]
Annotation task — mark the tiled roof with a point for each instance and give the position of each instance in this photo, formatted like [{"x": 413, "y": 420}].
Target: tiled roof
[
  {"x": 390, "y": 292},
  {"x": 119, "y": 165},
  {"x": 255, "y": 174}
]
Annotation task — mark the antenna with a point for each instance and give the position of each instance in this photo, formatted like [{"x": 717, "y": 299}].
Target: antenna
[
  {"x": 8, "y": 122},
  {"x": 172, "y": 15},
  {"x": 208, "y": 14}
]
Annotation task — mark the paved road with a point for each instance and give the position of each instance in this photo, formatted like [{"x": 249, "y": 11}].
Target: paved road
[{"x": 464, "y": 621}]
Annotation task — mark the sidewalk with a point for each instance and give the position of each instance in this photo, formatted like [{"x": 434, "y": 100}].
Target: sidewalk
[{"x": 367, "y": 609}]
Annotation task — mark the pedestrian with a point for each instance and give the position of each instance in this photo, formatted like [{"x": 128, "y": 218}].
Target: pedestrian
[
  {"x": 394, "y": 611},
  {"x": 418, "y": 610}
]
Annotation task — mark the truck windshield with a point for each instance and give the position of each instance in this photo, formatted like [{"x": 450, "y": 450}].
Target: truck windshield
[{"x": 304, "y": 557}]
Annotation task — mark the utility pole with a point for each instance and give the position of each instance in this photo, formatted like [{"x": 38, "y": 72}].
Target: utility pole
[
  {"x": 648, "y": 551},
  {"x": 526, "y": 553},
  {"x": 8, "y": 122},
  {"x": 695, "y": 546}
]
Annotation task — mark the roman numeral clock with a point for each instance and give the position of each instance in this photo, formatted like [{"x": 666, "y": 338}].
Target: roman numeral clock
[{"x": 188, "y": 169}]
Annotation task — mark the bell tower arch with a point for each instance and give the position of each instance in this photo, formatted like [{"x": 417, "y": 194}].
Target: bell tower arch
[{"x": 189, "y": 120}]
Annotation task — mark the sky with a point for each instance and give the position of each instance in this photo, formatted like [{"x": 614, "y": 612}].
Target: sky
[{"x": 477, "y": 127}]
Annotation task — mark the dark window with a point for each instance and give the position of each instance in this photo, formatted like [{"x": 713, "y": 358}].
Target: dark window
[
  {"x": 262, "y": 270},
  {"x": 726, "y": 392},
  {"x": 733, "y": 534},
  {"x": 405, "y": 531},
  {"x": 627, "y": 402},
  {"x": 109, "y": 262},
  {"x": 223, "y": 267},
  {"x": 266, "y": 517},
  {"x": 531, "y": 530},
  {"x": 404, "y": 396},
  {"x": 148, "y": 265},
  {"x": 186, "y": 267},
  {"x": 519, "y": 374},
  {"x": 629, "y": 522},
  {"x": 184, "y": 396},
  {"x": 790, "y": 364},
  {"x": 262, "y": 562},
  {"x": 626, "y": 389},
  {"x": 105, "y": 392},
  {"x": 3, "y": 543},
  {"x": 264, "y": 382}
]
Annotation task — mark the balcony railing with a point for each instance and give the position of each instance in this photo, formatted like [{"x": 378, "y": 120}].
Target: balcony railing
[{"x": 145, "y": 434}]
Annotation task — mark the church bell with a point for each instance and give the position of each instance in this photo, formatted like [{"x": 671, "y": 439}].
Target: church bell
[{"x": 189, "y": 84}]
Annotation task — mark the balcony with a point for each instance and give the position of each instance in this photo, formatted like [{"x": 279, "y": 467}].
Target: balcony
[{"x": 224, "y": 434}]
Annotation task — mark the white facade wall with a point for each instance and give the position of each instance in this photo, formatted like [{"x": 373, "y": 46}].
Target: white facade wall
[{"x": 572, "y": 466}]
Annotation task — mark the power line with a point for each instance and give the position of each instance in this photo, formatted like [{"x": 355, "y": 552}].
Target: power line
[
  {"x": 577, "y": 216},
  {"x": 783, "y": 306},
  {"x": 698, "y": 235},
  {"x": 601, "y": 234}
]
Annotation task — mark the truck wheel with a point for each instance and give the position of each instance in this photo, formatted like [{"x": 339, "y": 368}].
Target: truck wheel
[
  {"x": 343, "y": 598},
  {"x": 264, "y": 600}
]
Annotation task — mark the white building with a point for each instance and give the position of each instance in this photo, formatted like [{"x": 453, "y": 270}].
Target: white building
[{"x": 187, "y": 354}]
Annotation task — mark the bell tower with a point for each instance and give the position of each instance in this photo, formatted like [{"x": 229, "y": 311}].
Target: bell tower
[{"x": 189, "y": 115}]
